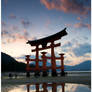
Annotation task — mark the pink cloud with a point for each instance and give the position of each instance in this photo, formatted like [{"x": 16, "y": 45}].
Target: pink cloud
[
  {"x": 19, "y": 36},
  {"x": 11, "y": 37},
  {"x": 81, "y": 25},
  {"x": 67, "y": 6}
]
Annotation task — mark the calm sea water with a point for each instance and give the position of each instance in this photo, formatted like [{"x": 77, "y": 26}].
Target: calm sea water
[{"x": 46, "y": 87}]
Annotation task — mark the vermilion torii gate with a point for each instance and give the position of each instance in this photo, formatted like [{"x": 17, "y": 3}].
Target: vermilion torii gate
[{"x": 50, "y": 39}]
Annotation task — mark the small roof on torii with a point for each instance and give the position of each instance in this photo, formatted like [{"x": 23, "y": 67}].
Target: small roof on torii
[{"x": 48, "y": 39}]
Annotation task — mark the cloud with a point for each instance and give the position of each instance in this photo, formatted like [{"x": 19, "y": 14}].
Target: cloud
[
  {"x": 27, "y": 36},
  {"x": 68, "y": 25},
  {"x": 75, "y": 52},
  {"x": 5, "y": 1},
  {"x": 21, "y": 57},
  {"x": 68, "y": 44},
  {"x": 13, "y": 27},
  {"x": 11, "y": 36},
  {"x": 82, "y": 49},
  {"x": 3, "y": 23},
  {"x": 82, "y": 25},
  {"x": 26, "y": 33},
  {"x": 48, "y": 22},
  {"x": 67, "y": 6},
  {"x": 12, "y": 16},
  {"x": 25, "y": 23},
  {"x": 78, "y": 18},
  {"x": 19, "y": 36},
  {"x": 4, "y": 32}
]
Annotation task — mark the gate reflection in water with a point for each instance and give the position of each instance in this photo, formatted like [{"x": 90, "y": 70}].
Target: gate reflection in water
[{"x": 45, "y": 87}]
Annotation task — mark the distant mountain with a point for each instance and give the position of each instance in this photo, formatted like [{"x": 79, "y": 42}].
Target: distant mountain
[
  {"x": 6, "y": 58},
  {"x": 84, "y": 66},
  {"x": 8, "y": 63}
]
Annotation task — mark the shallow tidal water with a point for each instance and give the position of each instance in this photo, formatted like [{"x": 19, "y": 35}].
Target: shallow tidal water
[{"x": 46, "y": 87}]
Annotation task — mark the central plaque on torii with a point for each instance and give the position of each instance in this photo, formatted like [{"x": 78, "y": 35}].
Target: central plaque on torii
[{"x": 44, "y": 41}]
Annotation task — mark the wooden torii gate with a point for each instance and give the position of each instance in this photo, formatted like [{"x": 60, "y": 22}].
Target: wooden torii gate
[{"x": 50, "y": 39}]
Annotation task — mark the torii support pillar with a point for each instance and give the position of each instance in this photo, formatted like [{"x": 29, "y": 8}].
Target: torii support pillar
[
  {"x": 37, "y": 71},
  {"x": 62, "y": 64},
  {"x": 28, "y": 66},
  {"x": 63, "y": 87},
  {"x": 54, "y": 87},
  {"x": 37, "y": 87},
  {"x": 28, "y": 87},
  {"x": 45, "y": 87},
  {"x": 44, "y": 64}
]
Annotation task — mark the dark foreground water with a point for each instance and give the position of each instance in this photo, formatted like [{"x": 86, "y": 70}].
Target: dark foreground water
[{"x": 46, "y": 87}]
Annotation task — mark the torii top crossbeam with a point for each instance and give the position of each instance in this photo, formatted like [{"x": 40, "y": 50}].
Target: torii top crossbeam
[{"x": 45, "y": 40}]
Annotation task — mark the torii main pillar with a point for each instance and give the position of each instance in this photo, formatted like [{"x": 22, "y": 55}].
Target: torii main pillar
[
  {"x": 37, "y": 61},
  {"x": 53, "y": 60}
]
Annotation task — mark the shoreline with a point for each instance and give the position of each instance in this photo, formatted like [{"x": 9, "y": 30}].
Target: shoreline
[{"x": 78, "y": 78}]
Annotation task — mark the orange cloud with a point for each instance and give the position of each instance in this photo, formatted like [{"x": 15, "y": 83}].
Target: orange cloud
[
  {"x": 82, "y": 25},
  {"x": 78, "y": 18},
  {"x": 68, "y": 6}
]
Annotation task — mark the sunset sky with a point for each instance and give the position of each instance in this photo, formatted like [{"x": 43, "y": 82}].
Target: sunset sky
[{"x": 24, "y": 20}]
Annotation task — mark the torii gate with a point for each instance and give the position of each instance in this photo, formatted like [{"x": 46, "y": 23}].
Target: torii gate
[{"x": 50, "y": 39}]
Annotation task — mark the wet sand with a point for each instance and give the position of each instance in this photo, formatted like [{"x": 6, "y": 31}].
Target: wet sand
[{"x": 79, "y": 78}]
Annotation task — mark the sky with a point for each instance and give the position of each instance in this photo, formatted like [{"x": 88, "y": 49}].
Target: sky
[{"x": 24, "y": 20}]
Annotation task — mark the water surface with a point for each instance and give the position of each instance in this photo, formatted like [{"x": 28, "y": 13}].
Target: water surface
[{"x": 46, "y": 87}]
